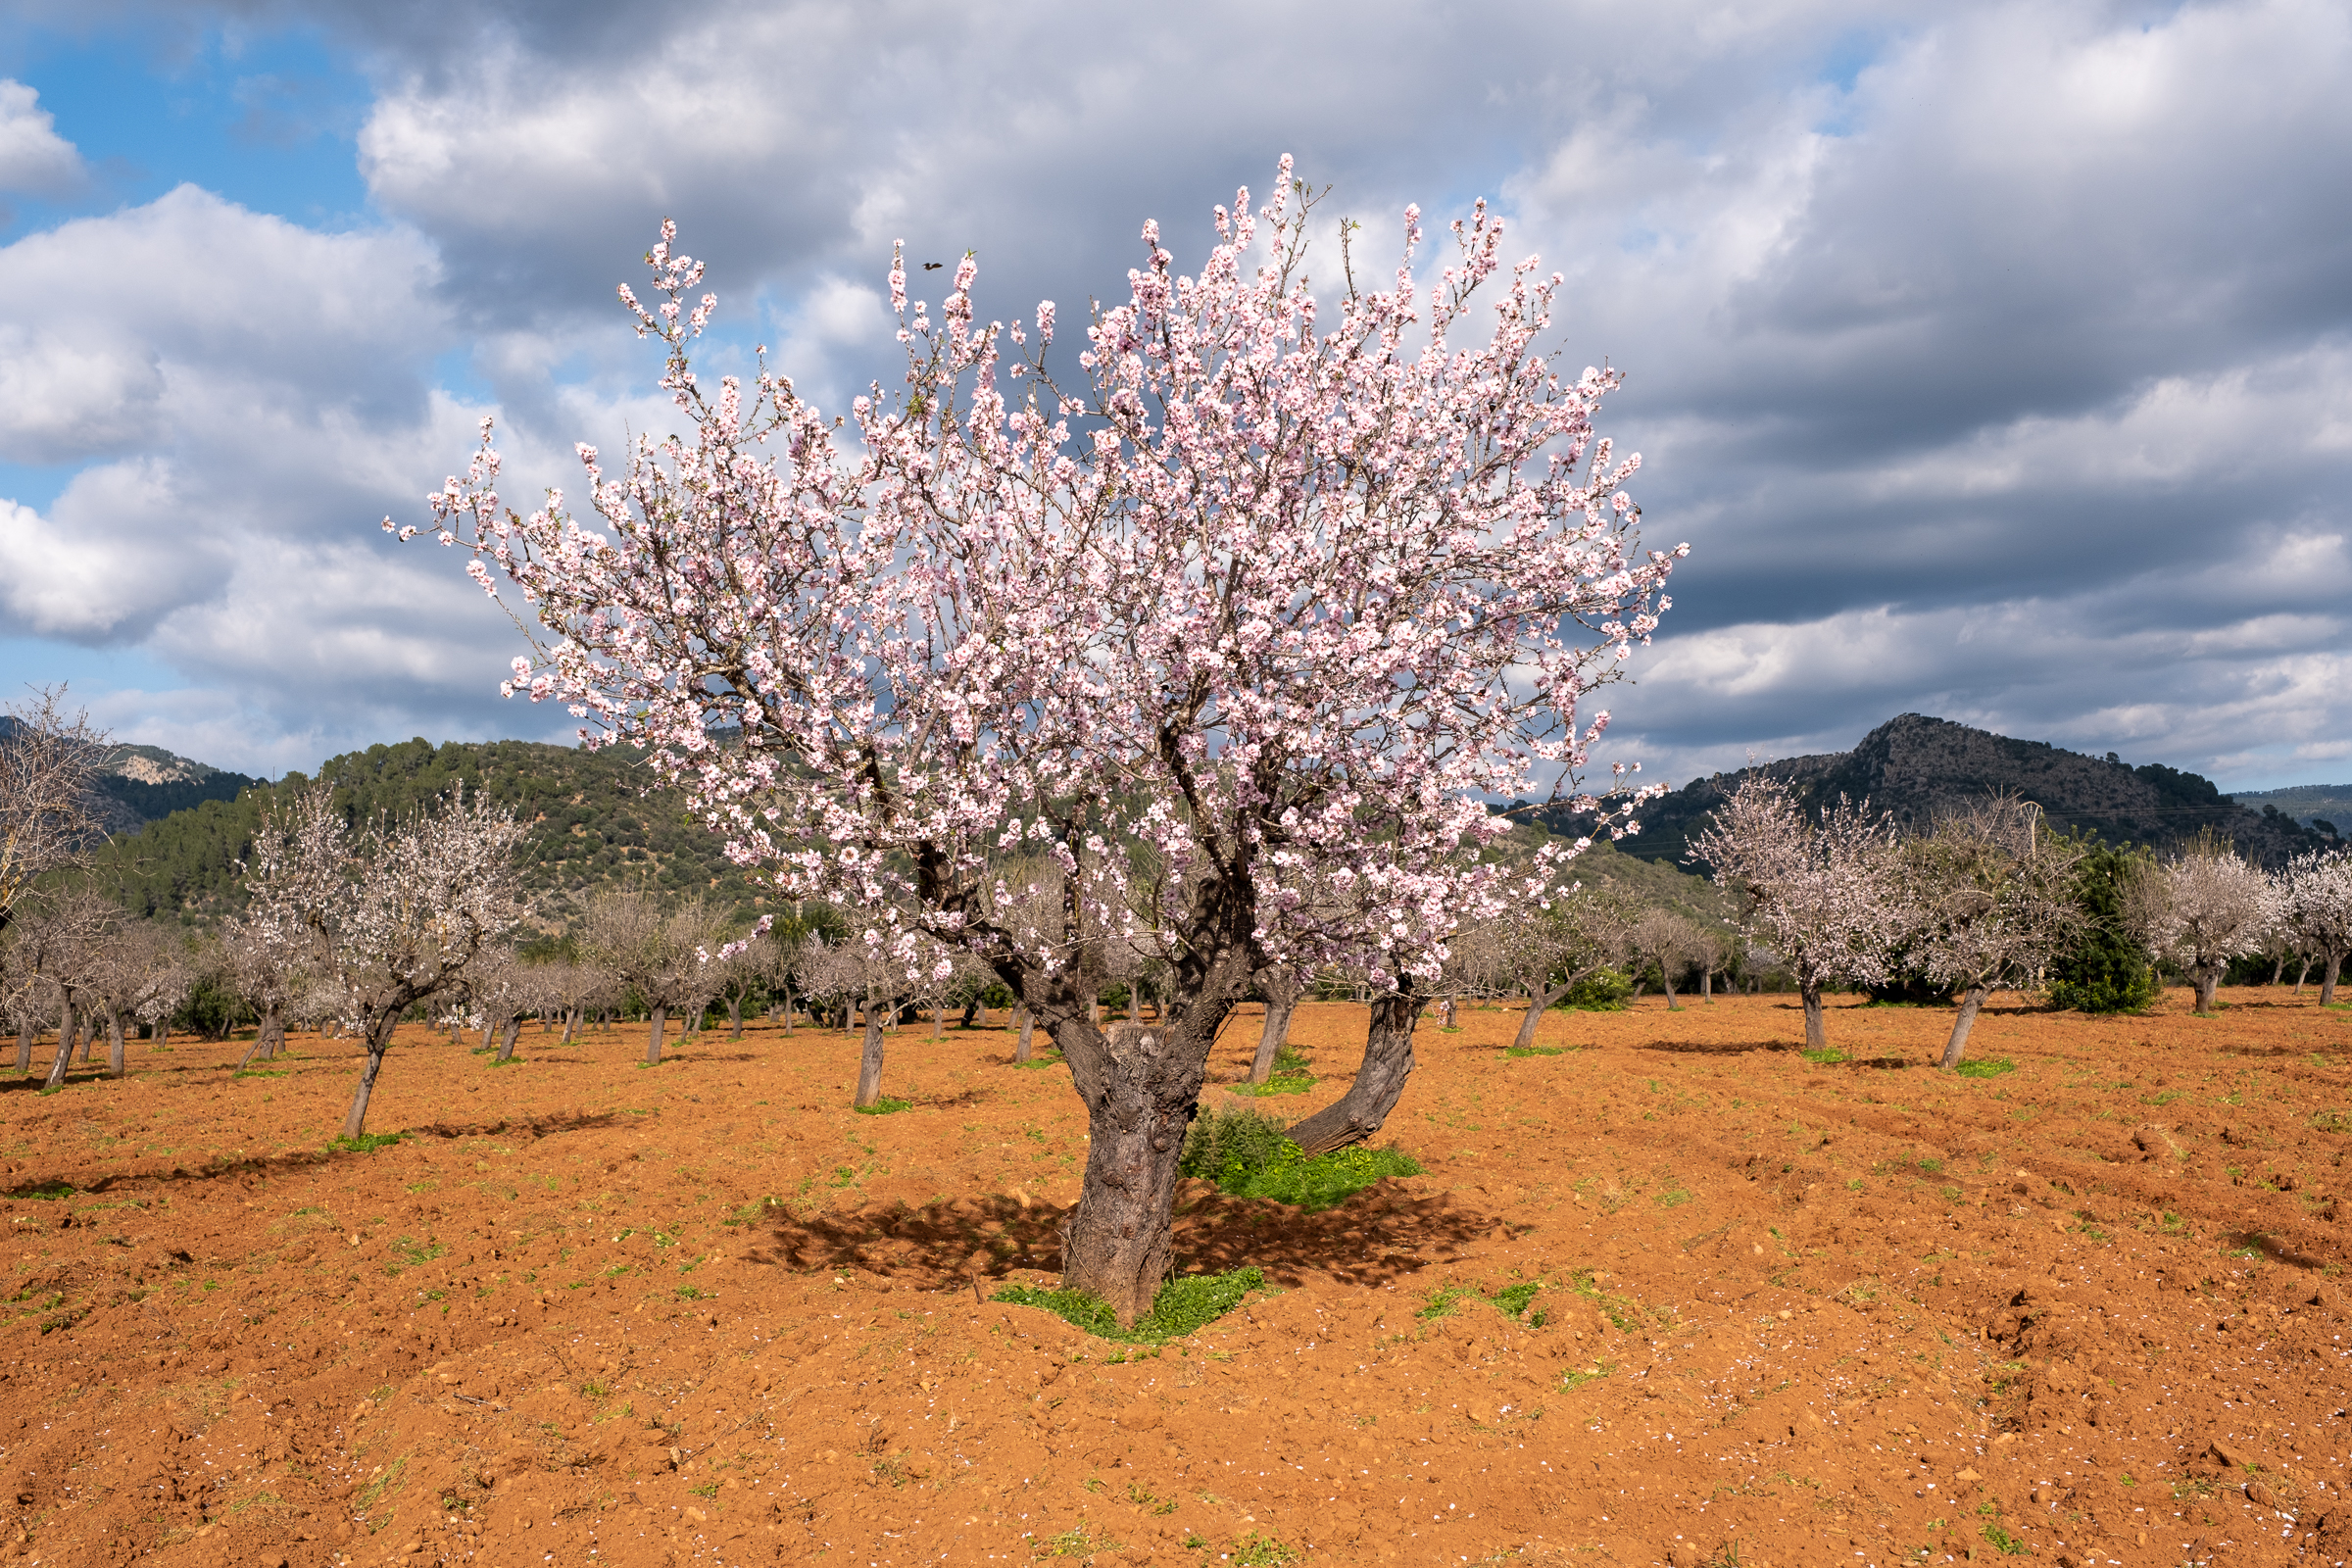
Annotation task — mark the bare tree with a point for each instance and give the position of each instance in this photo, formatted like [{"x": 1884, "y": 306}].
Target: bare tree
[
  {"x": 2317, "y": 905},
  {"x": 428, "y": 893},
  {"x": 865, "y": 973},
  {"x": 2202, "y": 909},
  {"x": 1671, "y": 941},
  {"x": 663, "y": 954},
  {"x": 1822, "y": 890},
  {"x": 1993, "y": 903},
  {"x": 82, "y": 930},
  {"x": 49, "y": 762}
]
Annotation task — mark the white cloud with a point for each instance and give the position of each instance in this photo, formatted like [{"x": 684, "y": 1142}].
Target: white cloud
[{"x": 34, "y": 158}]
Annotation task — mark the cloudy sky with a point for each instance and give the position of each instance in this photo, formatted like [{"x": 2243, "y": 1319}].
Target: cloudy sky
[{"x": 1996, "y": 361}]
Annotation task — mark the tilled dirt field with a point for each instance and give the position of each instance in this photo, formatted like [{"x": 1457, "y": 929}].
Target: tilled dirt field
[{"x": 1787, "y": 1313}]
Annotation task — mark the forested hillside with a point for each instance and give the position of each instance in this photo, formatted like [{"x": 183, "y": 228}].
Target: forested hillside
[
  {"x": 593, "y": 823},
  {"x": 1916, "y": 768}
]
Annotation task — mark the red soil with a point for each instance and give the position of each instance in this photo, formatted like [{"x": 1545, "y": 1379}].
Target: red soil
[{"x": 1855, "y": 1312}]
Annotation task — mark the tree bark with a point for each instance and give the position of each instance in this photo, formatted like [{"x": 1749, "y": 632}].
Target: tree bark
[
  {"x": 379, "y": 1040},
  {"x": 788, "y": 1014},
  {"x": 1816, "y": 1037},
  {"x": 2208, "y": 980},
  {"x": 24, "y": 1043},
  {"x": 1666, "y": 982},
  {"x": 1541, "y": 999},
  {"x": 734, "y": 1017},
  {"x": 114, "y": 1063},
  {"x": 869, "y": 1061},
  {"x": 1379, "y": 1080},
  {"x": 2335, "y": 962},
  {"x": 653, "y": 1041},
  {"x": 938, "y": 1019},
  {"x": 260, "y": 1037},
  {"x": 64, "y": 1050},
  {"x": 1970, "y": 1000},
  {"x": 1281, "y": 988},
  {"x": 505, "y": 1039},
  {"x": 1020, "y": 1053}
]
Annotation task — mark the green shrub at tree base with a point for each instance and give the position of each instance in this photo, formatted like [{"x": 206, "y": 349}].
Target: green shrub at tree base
[
  {"x": 1247, "y": 1155},
  {"x": 1182, "y": 1306},
  {"x": 2103, "y": 969}
]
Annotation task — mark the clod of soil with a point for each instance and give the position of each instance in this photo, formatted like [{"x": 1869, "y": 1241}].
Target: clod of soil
[{"x": 1677, "y": 1294}]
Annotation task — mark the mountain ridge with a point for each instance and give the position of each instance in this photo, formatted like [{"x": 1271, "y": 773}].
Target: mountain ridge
[{"x": 1916, "y": 768}]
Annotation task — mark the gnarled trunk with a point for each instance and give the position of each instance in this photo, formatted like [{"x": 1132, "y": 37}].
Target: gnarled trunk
[
  {"x": 1541, "y": 999},
  {"x": 653, "y": 1040},
  {"x": 65, "y": 1030},
  {"x": 379, "y": 1040},
  {"x": 505, "y": 1038},
  {"x": 1141, "y": 1084},
  {"x": 1281, "y": 988},
  {"x": 869, "y": 1060},
  {"x": 1666, "y": 982},
  {"x": 1970, "y": 1000},
  {"x": 1816, "y": 1037},
  {"x": 2208, "y": 979},
  {"x": 1388, "y": 1063},
  {"x": 2335, "y": 962},
  {"x": 1020, "y": 1052},
  {"x": 260, "y": 1037}
]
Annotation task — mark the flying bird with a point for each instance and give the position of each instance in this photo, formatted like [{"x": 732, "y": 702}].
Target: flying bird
[{"x": 933, "y": 267}]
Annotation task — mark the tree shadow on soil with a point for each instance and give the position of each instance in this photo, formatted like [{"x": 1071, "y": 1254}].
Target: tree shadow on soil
[
  {"x": 1375, "y": 1238},
  {"x": 255, "y": 1166},
  {"x": 1717, "y": 1048}
]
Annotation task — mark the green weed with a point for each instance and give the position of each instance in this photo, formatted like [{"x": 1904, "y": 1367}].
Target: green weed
[{"x": 1182, "y": 1306}]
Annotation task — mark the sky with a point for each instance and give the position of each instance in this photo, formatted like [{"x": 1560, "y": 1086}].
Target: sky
[{"x": 1995, "y": 361}]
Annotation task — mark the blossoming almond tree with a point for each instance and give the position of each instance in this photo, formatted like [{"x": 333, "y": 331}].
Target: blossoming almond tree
[
  {"x": 2316, "y": 903},
  {"x": 1992, "y": 902},
  {"x": 1312, "y": 582},
  {"x": 1824, "y": 892}
]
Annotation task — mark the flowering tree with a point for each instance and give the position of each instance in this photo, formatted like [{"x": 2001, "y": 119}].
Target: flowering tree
[
  {"x": 2203, "y": 908},
  {"x": 2316, "y": 905},
  {"x": 660, "y": 953},
  {"x": 1993, "y": 900},
  {"x": 1822, "y": 892},
  {"x": 427, "y": 894},
  {"x": 1310, "y": 586}
]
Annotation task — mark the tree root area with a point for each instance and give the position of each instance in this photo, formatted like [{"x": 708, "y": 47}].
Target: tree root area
[{"x": 1677, "y": 1294}]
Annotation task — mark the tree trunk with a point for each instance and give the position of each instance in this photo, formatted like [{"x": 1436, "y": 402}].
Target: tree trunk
[
  {"x": 938, "y": 1019},
  {"x": 378, "y": 1038},
  {"x": 1281, "y": 988},
  {"x": 1541, "y": 999},
  {"x": 2207, "y": 979},
  {"x": 163, "y": 1033},
  {"x": 1639, "y": 986},
  {"x": 114, "y": 1064},
  {"x": 89, "y": 1037},
  {"x": 24, "y": 1043},
  {"x": 1141, "y": 1085},
  {"x": 64, "y": 1050},
  {"x": 734, "y": 1017},
  {"x": 260, "y": 1037},
  {"x": 1020, "y": 1053},
  {"x": 1816, "y": 1037},
  {"x": 653, "y": 1040},
  {"x": 788, "y": 1014},
  {"x": 1970, "y": 1000},
  {"x": 1135, "y": 1003},
  {"x": 505, "y": 1039},
  {"x": 869, "y": 1061},
  {"x": 2335, "y": 962},
  {"x": 1666, "y": 982},
  {"x": 1706, "y": 985},
  {"x": 1388, "y": 1061}
]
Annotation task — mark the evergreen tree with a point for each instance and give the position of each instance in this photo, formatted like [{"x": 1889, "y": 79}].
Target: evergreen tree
[{"x": 2104, "y": 968}]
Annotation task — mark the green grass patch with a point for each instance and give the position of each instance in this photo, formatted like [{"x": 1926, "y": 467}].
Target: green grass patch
[
  {"x": 1986, "y": 1067},
  {"x": 1182, "y": 1306},
  {"x": 1049, "y": 1060},
  {"x": 885, "y": 1107},
  {"x": 1827, "y": 1056},
  {"x": 1279, "y": 1084},
  {"x": 259, "y": 1072},
  {"x": 1256, "y": 1550},
  {"x": 365, "y": 1142},
  {"x": 45, "y": 1190},
  {"x": 1247, "y": 1155},
  {"x": 1524, "y": 1051}
]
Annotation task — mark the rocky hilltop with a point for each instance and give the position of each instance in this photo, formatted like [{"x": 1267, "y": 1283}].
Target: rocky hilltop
[{"x": 1915, "y": 767}]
